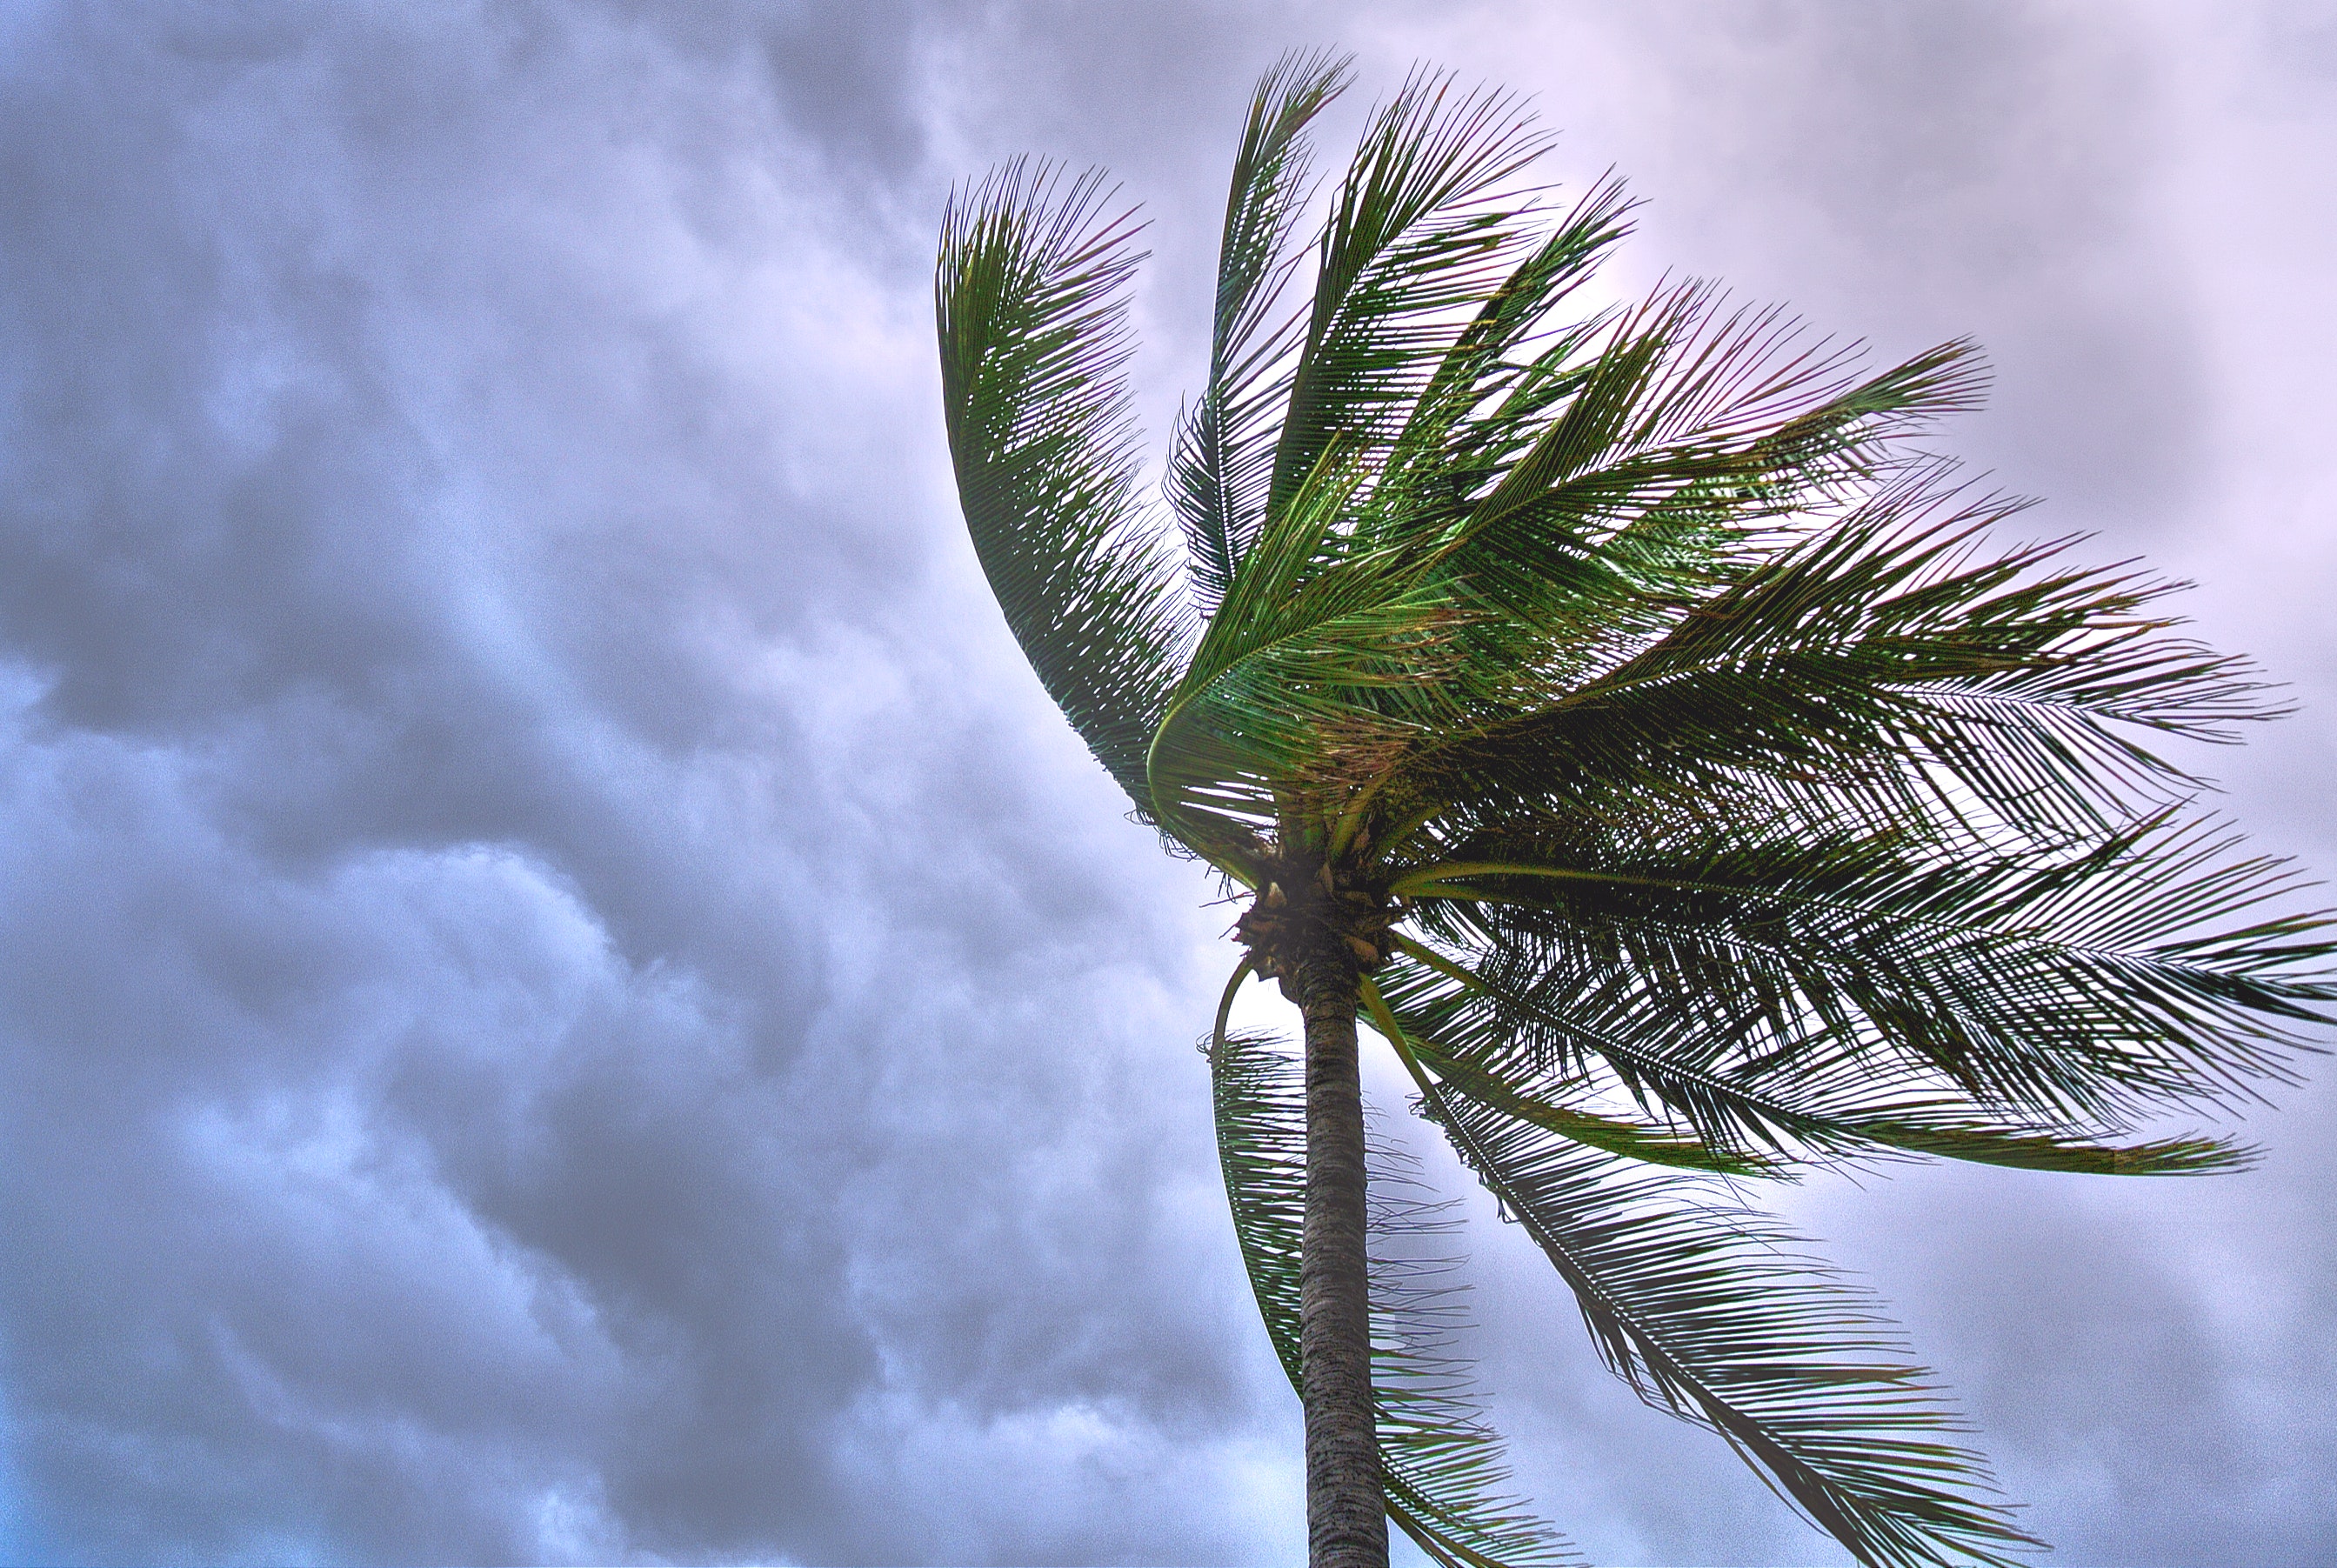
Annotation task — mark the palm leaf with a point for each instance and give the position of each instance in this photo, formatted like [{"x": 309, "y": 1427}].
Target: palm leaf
[
  {"x": 1480, "y": 407},
  {"x": 1425, "y": 224},
  {"x": 1688, "y": 396},
  {"x": 1884, "y": 670},
  {"x": 1547, "y": 1033},
  {"x": 1539, "y": 1045},
  {"x": 2040, "y": 988},
  {"x": 1311, "y": 645},
  {"x": 1223, "y": 457},
  {"x": 1708, "y": 1314},
  {"x": 1030, "y": 296}
]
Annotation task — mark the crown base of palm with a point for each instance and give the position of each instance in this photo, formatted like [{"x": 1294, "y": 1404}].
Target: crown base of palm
[{"x": 1307, "y": 905}]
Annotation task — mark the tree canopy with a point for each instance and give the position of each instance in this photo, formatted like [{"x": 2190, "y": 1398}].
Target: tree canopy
[{"x": 1704, "y": 787}]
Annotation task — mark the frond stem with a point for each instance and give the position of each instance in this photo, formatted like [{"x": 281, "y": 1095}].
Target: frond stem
[
  {"x": 1437, "y": 881},
  {"x": 1225, "y": 1002}
]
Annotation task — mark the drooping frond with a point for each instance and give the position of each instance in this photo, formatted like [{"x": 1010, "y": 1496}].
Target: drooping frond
[
  {"x": 2130, "y": 977},
  {"x": 1441, "y": 1465},
  {"x": 1845, "y": 997},
  {"x": 1223, "y": 458},
  {"x": 1029, "y": 296},
  {"x": 1710, "y": 1312},
  {"x": 1513, "y": 1041}
]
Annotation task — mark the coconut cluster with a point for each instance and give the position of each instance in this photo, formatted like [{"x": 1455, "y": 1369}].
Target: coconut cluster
[{"x": 1298, "y": 907}]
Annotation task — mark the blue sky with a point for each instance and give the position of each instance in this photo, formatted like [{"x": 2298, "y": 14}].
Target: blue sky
[{"x": 566, "y": 997}]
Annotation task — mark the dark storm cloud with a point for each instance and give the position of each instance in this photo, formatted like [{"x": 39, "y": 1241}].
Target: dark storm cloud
[
  {"x": 549, "y": 1017},
  {"x": 564, "y": 996}
]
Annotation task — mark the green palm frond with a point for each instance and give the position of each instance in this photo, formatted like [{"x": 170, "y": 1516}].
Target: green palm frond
[
  {"x": 1417, "y": 231},
  {"x": 1538, "y": 1099},
  {"x": 1030, "y": 296},
  {"x": 1305, "y": 649},
  {"x": 1223, "y": 458},
  {"x": 1693, "y": 412},
  {"x": 2039, "y": 990},
  {"x": 1480, "y": 407},
  {"x": 1885, "y": 669},
  {"x": 1427, "y": 223},
  {"x": 1466, "y": 655},
  {"x": 1512, "y": 1046},
  {"x": 1443, "y": 1466},
  {"x": 1710, "y": 1313}
]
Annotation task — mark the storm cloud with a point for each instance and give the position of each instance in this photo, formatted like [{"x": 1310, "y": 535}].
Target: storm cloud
[{"x": 563, "y": 994}]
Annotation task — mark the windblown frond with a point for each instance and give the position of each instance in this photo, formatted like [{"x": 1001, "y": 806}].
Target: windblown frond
[
  {"x": 1707, "y": 1312},
  {"x": 1480, "y": 407},
  {"x": 1854, "y": 978},
  {"x": 1030, "y": 296},
  {"x": 1224, "y": 456},
  {"x": 1427, "y": 223},
  {"x": 1885, "y": 669}
]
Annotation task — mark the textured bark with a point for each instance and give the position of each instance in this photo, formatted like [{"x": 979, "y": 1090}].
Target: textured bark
[{"x": 1346, "y": 1510}]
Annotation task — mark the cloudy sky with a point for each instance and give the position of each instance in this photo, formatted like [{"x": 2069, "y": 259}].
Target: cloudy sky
[{"x": 563, "y": 994}]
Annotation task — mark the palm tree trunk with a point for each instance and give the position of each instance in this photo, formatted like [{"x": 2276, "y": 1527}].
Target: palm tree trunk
[{"x": 1346, "y": 1511}]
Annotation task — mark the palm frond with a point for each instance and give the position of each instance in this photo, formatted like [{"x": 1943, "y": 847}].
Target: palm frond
[
  {"x": 1538, "y": 1098},
  {"x": 1516, "y": 1044},
  {"x": 1031, "y": 302},
  {"x": 2130, "y": 977},
  {"x": 1710, "y": 1313},
  {"x": 1309, "y": 646},
  {"x": 1886, "y": 669},
  {"x": 1693, "y": 400},
  {"x": 1222, "y": 457},
  {"x": 1425, "y": 224},
  {"x": 1480, "y": 407}
]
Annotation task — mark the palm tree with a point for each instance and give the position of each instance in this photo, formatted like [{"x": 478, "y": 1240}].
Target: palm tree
[{"x": 1613, "y": 706}]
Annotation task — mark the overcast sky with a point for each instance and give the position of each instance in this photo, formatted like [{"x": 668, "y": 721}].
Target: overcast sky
[{"x": 565, "y": 997}]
